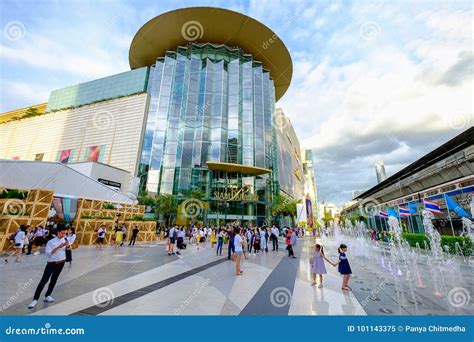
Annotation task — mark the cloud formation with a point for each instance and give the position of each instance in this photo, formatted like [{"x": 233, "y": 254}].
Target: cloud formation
[{"x": 378, "y": 80}]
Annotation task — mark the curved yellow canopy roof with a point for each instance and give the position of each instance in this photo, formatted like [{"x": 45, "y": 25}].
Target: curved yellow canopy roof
[
  {"x": 239, "y": 168},
  {"x": 217, "y": 26}
]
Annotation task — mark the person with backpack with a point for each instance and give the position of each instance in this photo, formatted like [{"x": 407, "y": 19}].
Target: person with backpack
[{"x": 172, "y": 237}]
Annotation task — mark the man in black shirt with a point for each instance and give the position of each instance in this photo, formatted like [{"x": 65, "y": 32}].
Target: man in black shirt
[{"x": 134, "y": 236}]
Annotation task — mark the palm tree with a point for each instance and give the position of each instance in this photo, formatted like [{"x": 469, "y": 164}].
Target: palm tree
[
  {"x": 166, "y": 205},
  {"x": 284, "y": 206}
]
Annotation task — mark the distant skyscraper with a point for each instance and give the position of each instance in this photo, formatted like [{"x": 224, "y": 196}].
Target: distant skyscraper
[
  {"x": 310, "y": 182},
  {"x": 380, "y": 171}
]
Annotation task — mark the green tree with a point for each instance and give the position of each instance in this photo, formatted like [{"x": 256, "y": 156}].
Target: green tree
[
  {"x": 30, "y": 112},
  {"x": 284, "y": 206},
  {"x": 166, "y": 205},
  {"x": 147, "y": 200}
]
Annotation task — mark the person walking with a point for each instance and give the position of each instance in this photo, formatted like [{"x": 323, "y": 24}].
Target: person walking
[
  {"x": 231, "y": 247},
  {"x": 118, "y": 238},
  {"x": 180, "y": 240},
  {"x": 220, "y": 242},
  {"x": 100, "y": 237},
  {"x": 134, "y": 236},
  {"x": 256, "y": 241},
  {"x": 263, "y": 240},
  {"x": 213, "y": 238},
  {"x": 343, "y": 267},
  {"x": 56, "y": 252},
  {"x": 239, "y": 248},
  {"x": 172, "y": 237},
  {"x": 290, "y": 243},
  {"x": 293, "y": 240},
  {"x": 249, "y": 241},
  {"x": 243, "y": 235},
  {"x": 31, "y": 238},
  {"x": 20, "y": 239},
  {"x": 274, "y": 237},
  {"x": 317, "y": 264},
  {"x": 124, "y": 233},
  {"x": 71, "y": 237}
]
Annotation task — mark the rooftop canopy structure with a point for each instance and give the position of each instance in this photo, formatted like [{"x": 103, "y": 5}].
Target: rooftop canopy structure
[{"x": 217, "y": 26}]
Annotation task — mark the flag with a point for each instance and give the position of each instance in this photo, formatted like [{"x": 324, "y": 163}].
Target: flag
[
  {"x": 383, "y": 213},
  {"x": 413, "y": 207},
  {"x": 432, "y": 206},
  {"x": 404, "y": 211},
  {"x": 392, "y": 212},
  {"x": 452, "y": 205}
]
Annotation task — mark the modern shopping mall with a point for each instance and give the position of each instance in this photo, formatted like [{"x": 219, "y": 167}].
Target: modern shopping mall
[{"x": 196, "y": 111}]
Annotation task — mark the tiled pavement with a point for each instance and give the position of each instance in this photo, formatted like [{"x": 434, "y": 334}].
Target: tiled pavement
[{"x": 144, "y": 280}]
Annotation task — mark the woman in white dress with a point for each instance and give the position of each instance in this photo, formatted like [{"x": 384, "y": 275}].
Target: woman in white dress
[{"x": 263, "y": 240}]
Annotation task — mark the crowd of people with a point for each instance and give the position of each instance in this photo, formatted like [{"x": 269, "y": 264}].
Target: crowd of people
[
  {"x": 26, "y": 238},
  {"x": 240, "y": 241}
]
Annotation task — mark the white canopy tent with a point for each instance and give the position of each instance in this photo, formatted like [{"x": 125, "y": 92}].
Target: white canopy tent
[{"x": 63, "y": 180}]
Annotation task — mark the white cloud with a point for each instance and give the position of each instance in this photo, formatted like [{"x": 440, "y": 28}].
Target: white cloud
[{"x": 391, "y": 88}]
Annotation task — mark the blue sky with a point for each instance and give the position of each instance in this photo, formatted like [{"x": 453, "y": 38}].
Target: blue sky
[{"x": 378, "y": 80}]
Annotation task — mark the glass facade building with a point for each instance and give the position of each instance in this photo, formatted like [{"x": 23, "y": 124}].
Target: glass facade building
[
  {"x": 210, "y": 104},
  {"x": 111, "y": 87}
]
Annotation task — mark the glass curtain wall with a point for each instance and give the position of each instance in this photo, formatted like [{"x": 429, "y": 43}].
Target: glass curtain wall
[{"x": 208, "y": 103}]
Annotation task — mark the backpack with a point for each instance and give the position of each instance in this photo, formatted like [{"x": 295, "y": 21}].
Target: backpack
[
  {"x": 175, "y": 234},
  {"x": 288, "y": 239}
]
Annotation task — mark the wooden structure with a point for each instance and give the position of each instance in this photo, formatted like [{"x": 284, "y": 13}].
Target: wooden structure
[
  {"x": 92, "y": 214},
  {"x": 32, "y": 211}
]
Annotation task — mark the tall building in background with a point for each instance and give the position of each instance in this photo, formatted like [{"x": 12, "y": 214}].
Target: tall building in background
[
  {"x": 290, "y": 168},
  {"x": 197, "y": 111},
  {"x": 310, "y": 189},
  {"x": 380, "y": 171}
]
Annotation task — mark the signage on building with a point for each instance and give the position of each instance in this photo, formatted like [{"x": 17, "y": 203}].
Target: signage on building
[
  {"x": 235, "y": 193},
  {"x": 110, "y": 183}
]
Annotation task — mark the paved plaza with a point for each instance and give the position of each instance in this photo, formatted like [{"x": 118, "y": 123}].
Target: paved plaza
[{"x": 144, "y": 280}]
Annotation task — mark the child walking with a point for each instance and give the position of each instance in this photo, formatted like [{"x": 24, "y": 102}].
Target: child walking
[
  {"x": 343, "y": 267},
  {"x": 318, "y": 266}
]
